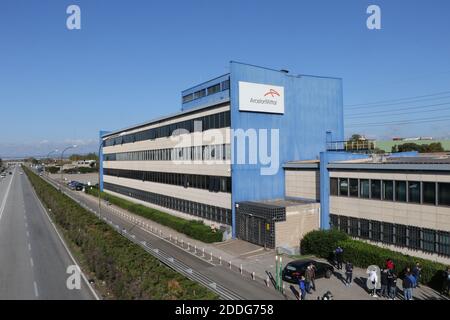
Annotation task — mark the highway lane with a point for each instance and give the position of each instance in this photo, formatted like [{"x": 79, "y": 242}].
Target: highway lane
[
  {"x": 33, "y": 259},
  {"x": 233, "y": 281}
]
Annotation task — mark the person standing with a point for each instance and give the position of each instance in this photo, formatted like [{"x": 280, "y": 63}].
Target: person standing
[
  {"x": 348, "y": 273},
  {"x": 373, "y": 278},
  {"x": 308, "y": 279},
  {"x": 390, "y": 264},
  {"x": 392, "y": 284},
  {"x": 313, "y": 276},
  {"x": 302, "y": 287},
  {"x": 384, "y": 283},
  {"x": 417, "y": 273},
  {"x": 446, "y": 281},
  {"x": 339, "y": 257},
  {"x": 408, "y": 285}
]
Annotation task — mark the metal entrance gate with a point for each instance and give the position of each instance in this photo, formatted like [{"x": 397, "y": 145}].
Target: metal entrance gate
[{"x": 255, "y": 222}]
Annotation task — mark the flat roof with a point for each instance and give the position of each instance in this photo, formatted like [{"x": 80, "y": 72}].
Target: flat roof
[
  {"x": 277, "y": 203},
  {"x": 164, "y": 118},
  {"x": 302, "y": 164},
  {"x": 424, "y": 162}
]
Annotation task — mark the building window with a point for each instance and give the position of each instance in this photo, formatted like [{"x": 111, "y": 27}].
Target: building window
[
  {"x": 400, "y": 235},
  {"x": 364, "y": 228},
  {"x": 199, "y": 94},
  {"x": 444, "y": 194},
  {"x": 444, "y": 243},
  {"x": 375, "y": 230},
  {"x": 414, "y": 237},
  {"x": 388, "y": 190},
  {"x": 354, "y": 227},
  {"x": 414, "y": 191},
  {"x": 400, "y": 191},
  {"x": 343, "y": 187},
  {"x": 428, "y": 240},
  {"x": 388, "y": 232},
  {"x": 353, "y": 186},
  {"x": 333, "y": 186},
  {"x": 375, "y": 189},
  {"x": 343, "y": 224},
  {"x": 213, "y": 89},
  {"x": 364, "y": 188},
  {"x": 334, "y": 221},
  {"x": 429, "y": 192},
  {"x": 225, "y": 85}
]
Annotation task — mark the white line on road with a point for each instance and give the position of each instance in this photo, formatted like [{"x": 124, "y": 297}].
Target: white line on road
[
  {"x": 32, "y": 262},
  {"x": 28, "y": 234},
  {"x": 36, "y": 292},
  {"x": 29, "y": 247},
  {"x": 2, "y": 208}
]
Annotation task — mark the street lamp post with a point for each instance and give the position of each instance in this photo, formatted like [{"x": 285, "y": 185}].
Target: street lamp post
[
  {"x": 48, "y": 156},
  {"x": 62, "y": 154}
]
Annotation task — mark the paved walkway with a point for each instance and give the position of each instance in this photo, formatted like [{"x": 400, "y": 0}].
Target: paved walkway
[{"x": 238, "y": 254}]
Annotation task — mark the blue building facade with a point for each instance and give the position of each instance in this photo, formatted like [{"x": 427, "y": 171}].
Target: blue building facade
[{"x": 312, "y": 110}]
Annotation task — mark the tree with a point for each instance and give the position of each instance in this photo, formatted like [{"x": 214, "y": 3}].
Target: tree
[{"x": 421, "y": 148}]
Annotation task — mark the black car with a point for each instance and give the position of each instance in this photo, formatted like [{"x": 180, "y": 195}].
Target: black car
[{"x": 295, "y": 269}]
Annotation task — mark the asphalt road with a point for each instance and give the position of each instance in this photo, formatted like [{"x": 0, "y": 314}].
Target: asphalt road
[
  {"x": 244, "y": 287},
  {"x": 33, "y": 258}
]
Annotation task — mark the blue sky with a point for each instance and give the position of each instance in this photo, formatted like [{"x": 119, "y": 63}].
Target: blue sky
[{"x": 131, "y": 59}]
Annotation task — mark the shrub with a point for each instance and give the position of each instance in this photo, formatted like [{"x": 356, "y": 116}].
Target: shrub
[
  {"x": 127, "y": 269},
  {"x": 52, "y": 169},
  {"x": 322, "y": 242},
  {"x": 192, "y": 228}
]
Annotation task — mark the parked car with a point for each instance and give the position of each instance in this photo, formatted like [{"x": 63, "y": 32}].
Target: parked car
[{"x": 295, "y": 269}]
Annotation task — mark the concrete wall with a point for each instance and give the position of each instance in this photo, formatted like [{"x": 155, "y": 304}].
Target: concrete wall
[
  {"x": 300, "y": 220},
  {"x": 303, "y": 184}
]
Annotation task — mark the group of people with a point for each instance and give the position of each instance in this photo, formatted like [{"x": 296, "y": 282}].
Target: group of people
[{"x": 307, "y": 281}]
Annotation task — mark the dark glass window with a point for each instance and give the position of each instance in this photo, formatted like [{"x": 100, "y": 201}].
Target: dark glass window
[
  {"x": 354, "y": 227},
  {"x": 213, "y": 89},
  {"x": 414, "y": 237},
  {"x": 334, "y": 221},
  {"x": 428, "y": 237},
  {"x": 375, "y": 189},
  {"x": 333, "y": 186},
  {"x": 364, "y": 188},
  {"x": 400, "y": 235},
  {"x": 343, "y": 224},
  {"x": 444, "y": 194},
  {"x": 388, "y": 190},
  {"x": 376, "y": 230},
  {"x": 414, "y": 191},
  {"x": 429, "y": 192},
  {"x": 353, "y": 187},
  {"x": 388, "y": 232},
  {"x": 400, "y": 191},
  {"x": 444, "y": 243},
  {"x": 225, "y": 85},
  {"x": 364, "y": 228},
  {"x": 343, "y": 187}
]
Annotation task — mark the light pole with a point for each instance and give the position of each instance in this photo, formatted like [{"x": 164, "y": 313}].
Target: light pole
[
  {"x": 48, "y": 155},
  {"x": 62, "y": 154}
]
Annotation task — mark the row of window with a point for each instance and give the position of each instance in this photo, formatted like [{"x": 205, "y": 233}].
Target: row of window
[
  {"x": 428, "y": 240},
  {"x": 198, "y": 153},
  {"x": 420, "y": 192},
  {"x": 202, "y": 210},
  {"x": 221, "y": 86},
  {"x": 211, "y": 183},
  {"x": 213, "y": 121}
]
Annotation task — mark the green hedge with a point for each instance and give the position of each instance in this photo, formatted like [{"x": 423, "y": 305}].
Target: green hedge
[
  {"x": 192, "y": 228},
  {"x": 362, "y": 254},
  {"x": 52, "y": 169},
  {"x": 127, "y": 269}
]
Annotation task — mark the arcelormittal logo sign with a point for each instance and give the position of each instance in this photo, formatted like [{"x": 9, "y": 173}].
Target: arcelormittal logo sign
[{"x": 258, "y": 97}]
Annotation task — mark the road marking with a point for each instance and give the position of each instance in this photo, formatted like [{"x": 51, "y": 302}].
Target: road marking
[
  {"x": 2, "y": 208},
  {"x": 64, "y": 245},
  {"x": 32, "y": 262},
  {"x": 29, "y": 247},
  {"x": 28, "y": 234},
  {"x": 36, "y": 292}
]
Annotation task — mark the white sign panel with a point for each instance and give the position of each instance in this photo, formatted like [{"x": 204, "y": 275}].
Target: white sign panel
[{"x": 258, "y": 97}]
